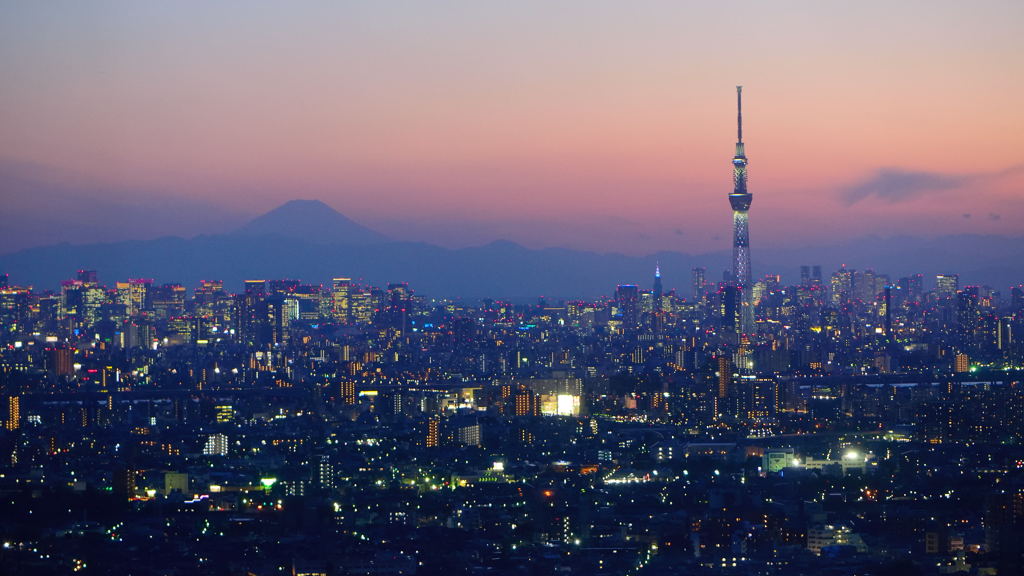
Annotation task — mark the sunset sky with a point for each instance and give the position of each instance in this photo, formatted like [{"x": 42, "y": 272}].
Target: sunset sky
[{"x": 597, "y": 125}]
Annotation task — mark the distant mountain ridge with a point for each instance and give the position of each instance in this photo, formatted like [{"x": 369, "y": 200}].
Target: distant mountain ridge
[{"x": 309, "y": 240}]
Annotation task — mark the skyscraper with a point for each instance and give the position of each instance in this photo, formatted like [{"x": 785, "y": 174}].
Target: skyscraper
[
  {"x": 946, "y": 285},
  {"x": 698, "y": 283},
  {"x": 13, "y": 420},
  {"x": 967, "y": 319},
  {"x": 627, "y": 300},
  {"x": 341, "y": 296},
  {"x": 842, "y": 285},
  {"x": 740, "y": 200},
  {"x": 658, "y": 295},
  {"x": 730, "y": 311},
  {"x": 659, "y": 290}
]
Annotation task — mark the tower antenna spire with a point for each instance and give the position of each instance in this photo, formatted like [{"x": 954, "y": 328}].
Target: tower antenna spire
[{"x": 739, "y": 114}]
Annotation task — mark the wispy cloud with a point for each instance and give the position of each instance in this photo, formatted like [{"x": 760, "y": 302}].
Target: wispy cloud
[{"x": 895, "y": 185}]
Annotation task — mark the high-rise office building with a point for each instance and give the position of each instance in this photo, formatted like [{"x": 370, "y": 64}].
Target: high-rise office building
[
  {"x": 730, "y": 301},
  {"x": 946, "y": 285},
  {"x": 397, "y": 305},
  {"x": 864, "y": 286},
  {"x": 325, "y": 472},
  {"x": 15, "y": 308},
  {"x": 133, "y": 294},
  {"x": 961, "y": 363},
  {"x": 361, "y": 306},
  {"x": 59, "y": 361},
  {"x": 341, "y": 299},
  {"x": 432, "y": 438},
  {"x": 168, "y": 300},
  {"x": 627, "y": 300},
  {"x": 276, "y": 318},
  {"x": 724, "y": 376},
  {"x": 967, "y": 318},
  {"x": 740, "y": 200},
  {"x": 1004, "y": 334},
  {"x": 1017, "y": 298},
  {"x": 699, "y": 285},
  {"x": 216, "y": 445},
  {"x": 309, "y": 299},
  {"x": 123, "y": 482},
  {"x": 256, "y": 288},
  {"x": 249, "y": 313},
  {"x": 657, "y": 302},
  {"x": 911, "y": 287},
  {"x": 916, "y": 286},
  {"x": 70, "y": 299},
  {"x": 13, "y": 420},
  {"x": 721, "y": 401},
  {"x": 659, "y": 290},
  {"x": 210, "y": 299},
  {"x": 526, "y": 402},
  {"x": 87, "y": 276},
  {"x": 887, "y": 313},
  {"x": 347, "y": 392},
  {"x": 842, "y": 285}
]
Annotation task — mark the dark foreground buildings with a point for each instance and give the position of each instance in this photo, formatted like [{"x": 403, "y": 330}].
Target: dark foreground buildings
[{"x": 866, "y": 425}]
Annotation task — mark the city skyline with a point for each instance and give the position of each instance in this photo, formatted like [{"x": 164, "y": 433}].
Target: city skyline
[
  {"x": 365, "y": 289},
  {"x": 869, "y": 425},
  {"x": 899, "y": 120}
]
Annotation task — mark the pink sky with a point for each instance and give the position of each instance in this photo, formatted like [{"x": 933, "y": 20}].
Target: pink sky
[{"x": 592, "y": 125}]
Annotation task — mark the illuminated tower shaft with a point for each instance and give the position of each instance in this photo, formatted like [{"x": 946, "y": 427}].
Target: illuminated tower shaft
[{"x": 740, "y": 200}]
